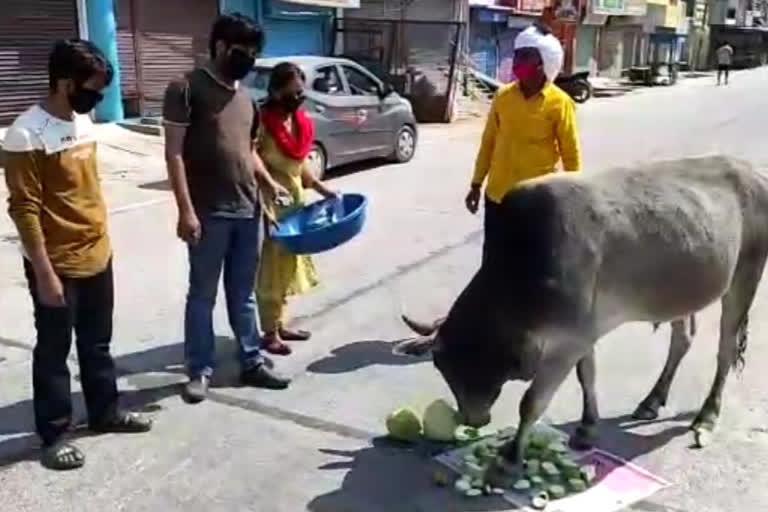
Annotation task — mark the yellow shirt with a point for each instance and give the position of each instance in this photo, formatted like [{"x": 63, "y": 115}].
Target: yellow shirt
[
  {"x": 55, "y": 193},
  {"x": 525, "y": 138}
]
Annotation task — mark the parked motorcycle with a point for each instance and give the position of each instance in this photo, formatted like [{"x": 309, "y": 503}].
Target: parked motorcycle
[{"x": 576, "y": 85}]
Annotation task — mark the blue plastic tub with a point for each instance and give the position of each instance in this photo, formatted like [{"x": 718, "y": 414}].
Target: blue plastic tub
[{"x": 323, "y": 225}]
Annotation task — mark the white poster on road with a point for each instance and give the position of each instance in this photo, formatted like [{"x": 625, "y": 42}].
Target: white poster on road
[
  {"x": 618, "y": 483},
  {"x": 343, "y": 4}
]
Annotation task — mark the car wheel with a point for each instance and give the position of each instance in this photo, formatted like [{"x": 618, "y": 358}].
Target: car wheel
[
  {"x": 316, "y": 161},
  {"x": 405, "y": 145},
  {"x": 581, "y": 91}
]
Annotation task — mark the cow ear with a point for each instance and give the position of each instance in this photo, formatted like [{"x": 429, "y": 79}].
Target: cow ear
[{"x": 416, "y": 346}]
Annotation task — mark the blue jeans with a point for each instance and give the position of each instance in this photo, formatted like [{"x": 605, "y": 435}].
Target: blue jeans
[{"x": 233, "y": 244}]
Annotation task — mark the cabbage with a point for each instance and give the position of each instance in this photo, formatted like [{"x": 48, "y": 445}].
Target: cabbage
[
  {"x": 404, "y": 424},
  {"x": 440, "y": 421}
]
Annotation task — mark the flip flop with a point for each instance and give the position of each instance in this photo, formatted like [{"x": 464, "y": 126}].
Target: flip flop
[
  {"x": 297, "y": 335},
  {"x": 62, "y": 457}
]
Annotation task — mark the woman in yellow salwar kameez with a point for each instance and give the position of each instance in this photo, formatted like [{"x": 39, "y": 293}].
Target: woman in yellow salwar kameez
[{"x": 286, "y": 139}]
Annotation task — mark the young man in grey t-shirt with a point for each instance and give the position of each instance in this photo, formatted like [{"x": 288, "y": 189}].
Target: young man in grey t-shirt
[
  {"x": 724, "y": 62},
  {"x": 210, "y": 127}
]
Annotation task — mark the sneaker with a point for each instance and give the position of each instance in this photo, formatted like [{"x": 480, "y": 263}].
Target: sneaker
[
  {"x": 196, "y": 389},
  {"x": 262, "y": 377},
  {"x": 124, "y": 423}
]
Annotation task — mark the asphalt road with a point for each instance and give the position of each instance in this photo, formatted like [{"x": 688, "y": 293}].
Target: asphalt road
[{"x": 316, "y": 446}]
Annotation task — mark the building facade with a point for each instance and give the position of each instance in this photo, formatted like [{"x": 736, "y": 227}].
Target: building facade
[
  {"x": 415, "y": 45},
  {"x": 28, "y": 28},
  {"x": 148, "y": 41},
  {"x": 493, "y": 27},
  {"x": 744, "y": 25}
]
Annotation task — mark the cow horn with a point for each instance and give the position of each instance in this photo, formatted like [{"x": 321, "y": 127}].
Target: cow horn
[
  {"x": 415, "y": 346},
  {"x": 422, "y": 329}
]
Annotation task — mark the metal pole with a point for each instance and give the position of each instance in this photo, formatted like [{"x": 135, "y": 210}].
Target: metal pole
[{"x": 102, "y": 31}]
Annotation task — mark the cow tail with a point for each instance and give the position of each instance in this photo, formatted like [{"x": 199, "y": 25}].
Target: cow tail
[{"x": 741, "y": 345}]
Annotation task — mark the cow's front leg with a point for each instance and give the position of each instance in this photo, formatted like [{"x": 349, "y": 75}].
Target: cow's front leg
[
  {"x": 551, "y": 373},
  {"x": 586, "y": 434}
]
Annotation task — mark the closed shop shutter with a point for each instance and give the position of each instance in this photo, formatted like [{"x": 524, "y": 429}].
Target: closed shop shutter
[
  {"x": 506, "y": 54},
  {"x": 611, "y": 57},
  {"x": 288, "y": 37},
  {"x": 169, "y": 38},
  {"x": 628, "y": 54},
  {"x": 483, "y": 51},
  {"x": 585, "y": 48},
  {"x": 296, "y": 29},
  {"x": 28, "y": 29}
]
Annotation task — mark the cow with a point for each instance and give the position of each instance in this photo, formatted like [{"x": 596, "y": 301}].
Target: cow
[{"x": 583, "y": 254}]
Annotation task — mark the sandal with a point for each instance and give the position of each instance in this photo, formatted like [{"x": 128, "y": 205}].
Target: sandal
[
  {"x": 62, "y": 456},
  {"x": 297, "y": 335},
  {"x": 278, "y": 348},
  {"x": 124, "y": 423}
]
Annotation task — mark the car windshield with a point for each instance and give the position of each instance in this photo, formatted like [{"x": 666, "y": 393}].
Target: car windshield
[{"x": 258, "y": 79}]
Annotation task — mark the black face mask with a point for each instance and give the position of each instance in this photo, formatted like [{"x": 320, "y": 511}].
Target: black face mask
[
  {"x": 83, "y": 100},
  {"x": 293, "y": 102},
  {"x": 239, "y": 64}
]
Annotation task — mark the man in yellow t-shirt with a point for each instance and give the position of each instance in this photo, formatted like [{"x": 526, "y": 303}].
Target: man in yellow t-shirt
[
  {"x": 56, "y": 203},
  {"x": 530, "y": 128}
]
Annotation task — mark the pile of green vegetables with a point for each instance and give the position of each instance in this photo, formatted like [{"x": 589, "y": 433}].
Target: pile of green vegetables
[{"x": 549, "y": 471}]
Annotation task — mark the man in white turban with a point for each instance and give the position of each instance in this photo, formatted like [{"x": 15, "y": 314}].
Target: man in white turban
[{"x": 530, "y": 128}]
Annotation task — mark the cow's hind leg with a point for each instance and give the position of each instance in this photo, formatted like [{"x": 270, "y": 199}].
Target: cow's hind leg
[
  {"x": 679, "y": 344},
  {"x": 733, "y": 341},
  {"x": 585, "y": 436}
]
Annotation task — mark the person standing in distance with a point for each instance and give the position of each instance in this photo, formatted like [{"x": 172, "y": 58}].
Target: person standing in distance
[
  {"x": 211, "y": 125},
  {"x": 724, "y": 61},
  {"x": 55, "y": 200}
]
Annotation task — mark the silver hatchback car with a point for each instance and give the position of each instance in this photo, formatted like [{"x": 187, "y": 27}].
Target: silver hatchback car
[{"x": 356, "y": 115}]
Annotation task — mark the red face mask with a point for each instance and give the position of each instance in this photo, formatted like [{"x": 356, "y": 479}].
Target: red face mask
[{"x": 525, "y": 70}]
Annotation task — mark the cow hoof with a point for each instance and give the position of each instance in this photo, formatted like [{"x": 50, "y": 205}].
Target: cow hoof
[
  {"x": 585, "y": 438},
  {"x": 502, "y": 473},
  {"x": 645, "y": 412},
  {"x": 702, "y": 438},
  {"x": 702, "y": 428}
]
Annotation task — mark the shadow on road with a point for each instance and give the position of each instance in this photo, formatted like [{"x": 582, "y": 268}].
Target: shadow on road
[
  {"x": 387, "y": 476},
  {"x": 618, "y": 438},
  {"x": 336, "y": 172},
  {"x": 162, "y": 185},
  {"x": 151, "y": 376},
  {"x": 361, "y": 354},
  {"x": 18, "y": 422},
  {"x": 391, "y": 476}
]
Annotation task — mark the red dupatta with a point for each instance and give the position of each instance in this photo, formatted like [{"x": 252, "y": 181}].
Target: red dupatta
[{"x": 293, "y": 146}]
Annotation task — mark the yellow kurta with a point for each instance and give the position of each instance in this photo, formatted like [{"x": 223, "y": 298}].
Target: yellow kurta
[
  {"x": 281, "y": 273},
  {"x": 525, "y": 138}
]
